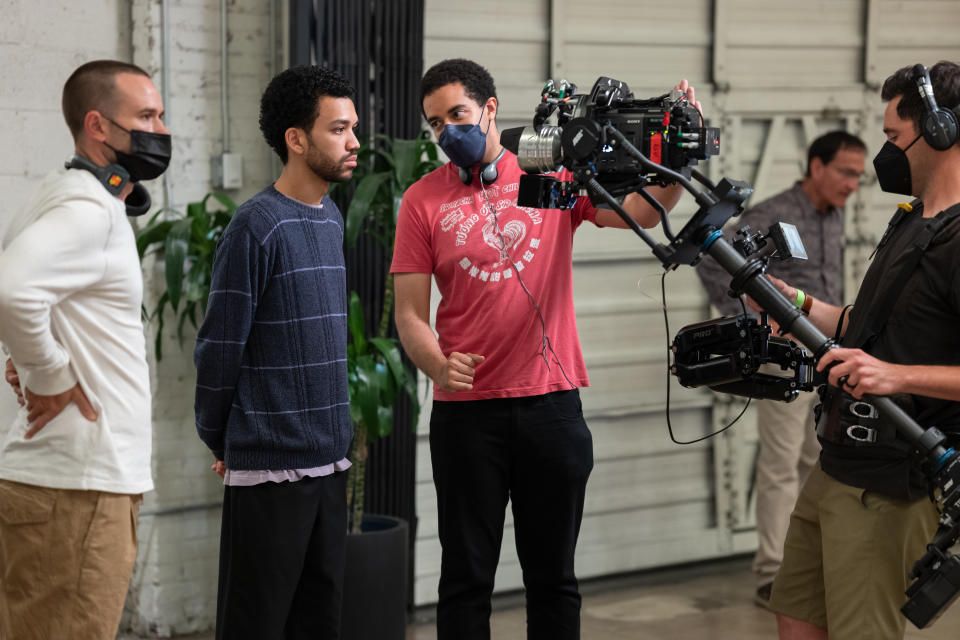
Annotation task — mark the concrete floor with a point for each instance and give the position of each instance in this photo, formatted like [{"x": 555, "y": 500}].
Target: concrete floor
[
  {"x": 712, "y": 600},
  {"x": 706, "y": 600}
]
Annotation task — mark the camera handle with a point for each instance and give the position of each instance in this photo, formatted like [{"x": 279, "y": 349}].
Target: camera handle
[{"x": 937, "y": 573}]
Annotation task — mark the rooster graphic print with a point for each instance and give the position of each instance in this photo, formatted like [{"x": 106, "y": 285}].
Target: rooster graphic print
[
  {"x": 512, "y": 246},
  {"x": 503, "y": 240}
]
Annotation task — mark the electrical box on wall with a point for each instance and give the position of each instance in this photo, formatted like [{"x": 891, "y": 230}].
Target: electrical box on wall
[{"x": 227, "y": 171}]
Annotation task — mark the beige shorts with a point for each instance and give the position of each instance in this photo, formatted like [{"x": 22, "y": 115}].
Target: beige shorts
[
  {"x": 846, "y": 558},
  {"x": 65, "y": 561}
]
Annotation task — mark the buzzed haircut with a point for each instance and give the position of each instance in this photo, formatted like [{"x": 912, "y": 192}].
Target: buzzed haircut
[
  {"x": 826, "y": 146},
  {"x": 945, "y": 79},
  {"x": 476, "y": 81},
  {"x": 92, "y": 87},
  {"x": 292, "y": 100}
]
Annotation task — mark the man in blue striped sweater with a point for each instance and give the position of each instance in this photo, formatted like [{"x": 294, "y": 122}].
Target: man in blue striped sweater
[{"x": 271, "y": 398}]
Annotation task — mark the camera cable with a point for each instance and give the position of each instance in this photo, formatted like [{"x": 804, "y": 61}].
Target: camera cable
[{"x": 666, "y": 323}]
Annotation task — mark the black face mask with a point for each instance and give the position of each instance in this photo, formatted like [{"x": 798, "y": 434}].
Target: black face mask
[
  {"x": 893, "y": 168},
  {"x": 149, "y": 154}
]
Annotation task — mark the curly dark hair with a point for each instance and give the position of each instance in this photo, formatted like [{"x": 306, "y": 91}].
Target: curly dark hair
[
  {"x": 475, "y": 79},
  {"x": 945, "y": 78},
  {"x": 290, "y": 100}
]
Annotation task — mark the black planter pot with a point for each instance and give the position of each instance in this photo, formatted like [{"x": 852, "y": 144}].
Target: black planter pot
[{"x": 375, "y": 581}]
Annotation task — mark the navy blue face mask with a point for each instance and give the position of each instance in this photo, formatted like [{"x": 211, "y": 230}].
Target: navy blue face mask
[{"x": 464, "y": 144}]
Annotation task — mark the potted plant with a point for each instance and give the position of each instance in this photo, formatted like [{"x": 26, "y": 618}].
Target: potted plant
[
  {"x": 188, "y": 243},
  {"x": 377, "y": 549}
]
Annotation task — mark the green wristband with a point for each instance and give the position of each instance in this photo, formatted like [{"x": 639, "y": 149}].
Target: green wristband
[{"x": 798, "y": 303}]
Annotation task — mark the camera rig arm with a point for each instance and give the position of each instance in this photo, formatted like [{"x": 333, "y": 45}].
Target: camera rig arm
[{"x": 702, "y": 234}]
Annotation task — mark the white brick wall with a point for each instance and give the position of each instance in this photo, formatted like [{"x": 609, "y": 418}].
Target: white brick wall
[{"x": 174, "y": 585}]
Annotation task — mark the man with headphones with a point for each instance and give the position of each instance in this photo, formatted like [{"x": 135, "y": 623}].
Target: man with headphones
[
  {"x": 863, "y": 517},
  {"x": 506, "y": 420},
  {"x": 75, "y": 461}
]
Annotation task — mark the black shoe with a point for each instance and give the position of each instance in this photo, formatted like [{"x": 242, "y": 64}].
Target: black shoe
[{"x": 762, "y": 598}]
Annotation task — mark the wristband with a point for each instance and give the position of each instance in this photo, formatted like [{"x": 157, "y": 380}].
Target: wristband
[
  {"x": 801, "y": 298},
  {"x": 807, "y": 304}
]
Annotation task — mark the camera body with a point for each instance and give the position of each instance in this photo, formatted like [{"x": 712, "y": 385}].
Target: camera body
[
  {"x": 937, "y": 574},
  {"x": 726, "y": 354},
  {"x": 667, "y": 130}
]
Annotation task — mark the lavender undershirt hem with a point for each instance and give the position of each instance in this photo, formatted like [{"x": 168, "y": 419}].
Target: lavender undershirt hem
[{"x": 249, "y": 478}]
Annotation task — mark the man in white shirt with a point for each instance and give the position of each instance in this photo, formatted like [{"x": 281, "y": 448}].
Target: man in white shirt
[{"x": 76, "y": 459}]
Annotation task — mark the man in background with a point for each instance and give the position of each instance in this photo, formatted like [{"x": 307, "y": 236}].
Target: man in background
[
  {"x": 76, "y": 459},
  {"x": 788, "y": 446}
]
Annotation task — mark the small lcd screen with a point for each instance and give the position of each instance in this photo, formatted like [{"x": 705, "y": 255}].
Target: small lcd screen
[{"x": 791, "y": 242}]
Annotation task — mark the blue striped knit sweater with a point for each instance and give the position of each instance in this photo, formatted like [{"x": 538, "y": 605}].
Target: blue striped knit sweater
[{"x": 271, "y": 354}]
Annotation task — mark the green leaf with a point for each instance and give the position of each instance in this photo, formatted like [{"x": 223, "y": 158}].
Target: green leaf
[
  {"x": 197, "y": 282},
  {"x": 191, "y": 312},
  {"x": 225, "y": 200},
  {"x": 431, "y": 150},
  {"x": 197, "y": 211},
  {"x": 356, "y": 322},
  {"x": 391, "y": 354},
  {"x": 367, "y": 397},
  {"x": 401, "y": 376},
  {"x": 406, "y": 155},
  {"x": 385, "y": 152},
  {"x": 187, "y": 312},
  {"x": 363, "y": 204},
  {"x": 384, "y": 422},
  {"x": 220, "y": 221},
  {"x": 175, "y": 250},
  {"x": 151, "y": 234}
]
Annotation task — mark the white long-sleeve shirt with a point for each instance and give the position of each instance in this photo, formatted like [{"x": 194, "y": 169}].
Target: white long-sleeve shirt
[{"x": 70, "y": 298}]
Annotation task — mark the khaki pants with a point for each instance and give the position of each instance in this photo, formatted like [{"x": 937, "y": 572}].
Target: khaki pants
[
  {"x": 788, "y": 451},
  {"x": 846, "y": 559},
  {"x": 65, "y": 561}
]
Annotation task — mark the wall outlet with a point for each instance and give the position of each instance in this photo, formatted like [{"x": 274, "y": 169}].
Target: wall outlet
[{"x": 227, "y": 171}]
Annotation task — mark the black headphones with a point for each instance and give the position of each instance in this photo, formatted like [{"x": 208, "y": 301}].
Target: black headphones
[
  {"x": 488, "y": 172},
  {"x": 939, "y": 126},
  {"x": 114, "y": 178}
]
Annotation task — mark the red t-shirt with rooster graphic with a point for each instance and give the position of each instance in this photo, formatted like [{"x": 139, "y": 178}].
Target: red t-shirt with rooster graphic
[{"x": 446, "y": 228}]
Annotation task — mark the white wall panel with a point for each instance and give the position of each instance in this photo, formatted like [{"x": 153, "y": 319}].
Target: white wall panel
[{"x": 780, "y": 43}]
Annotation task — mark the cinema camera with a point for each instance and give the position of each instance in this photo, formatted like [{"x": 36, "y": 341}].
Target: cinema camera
[
  {"x": 667, "y": 130},
  {"x": 597, "y": 139}
]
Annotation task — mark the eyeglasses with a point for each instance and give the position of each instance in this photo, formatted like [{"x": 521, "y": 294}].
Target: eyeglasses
[{"x": 851, "y": 174}]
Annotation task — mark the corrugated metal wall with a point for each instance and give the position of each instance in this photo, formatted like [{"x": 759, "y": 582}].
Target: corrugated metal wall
[{"x": 773, "y": 74}]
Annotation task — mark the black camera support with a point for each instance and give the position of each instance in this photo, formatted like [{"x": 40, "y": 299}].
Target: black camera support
[{"x": 937, "y": 573}]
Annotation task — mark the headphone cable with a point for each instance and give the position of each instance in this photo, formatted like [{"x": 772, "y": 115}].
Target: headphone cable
[{"x": 546, "y": 347}]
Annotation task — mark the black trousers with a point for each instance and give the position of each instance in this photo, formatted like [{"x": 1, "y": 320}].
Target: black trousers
[
  {"x": 281, "y": 560},
  {"x": 537, "y": 452}
]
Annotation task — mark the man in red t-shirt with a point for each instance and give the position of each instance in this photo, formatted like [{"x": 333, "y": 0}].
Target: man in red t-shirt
[{"x": 506, "y": 421}]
